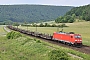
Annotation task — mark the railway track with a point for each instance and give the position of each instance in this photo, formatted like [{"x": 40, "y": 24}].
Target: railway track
[{"x": 84, "y": 49}]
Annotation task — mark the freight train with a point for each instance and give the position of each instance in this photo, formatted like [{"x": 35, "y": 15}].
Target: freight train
[{"x": 70, "y": 38}]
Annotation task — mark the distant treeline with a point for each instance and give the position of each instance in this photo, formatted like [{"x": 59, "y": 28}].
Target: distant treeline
[
  {"x": 31, "y": 13},
  {"x": 44, "y": 25},
  {"x": 82, "y": 13}
]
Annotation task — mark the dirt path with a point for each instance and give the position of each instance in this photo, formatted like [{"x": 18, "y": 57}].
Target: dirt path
[
  {"x": 74, "y": 56},
  {"x": 6, "y": 29}
]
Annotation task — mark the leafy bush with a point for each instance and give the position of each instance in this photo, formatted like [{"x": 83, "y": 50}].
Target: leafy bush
[
  {"x": 13, "y": 35},
  {"x": 57, "y": 55},
  {"x": 38, "y": 41},
  {"x": 34, "y": 39}
]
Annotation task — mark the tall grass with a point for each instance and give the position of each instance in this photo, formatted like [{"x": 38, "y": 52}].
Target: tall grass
[{"x": 26, "y": 48}]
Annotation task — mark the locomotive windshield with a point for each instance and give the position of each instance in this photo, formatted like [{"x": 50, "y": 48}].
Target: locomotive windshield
[{"x": 77, "y": 36}]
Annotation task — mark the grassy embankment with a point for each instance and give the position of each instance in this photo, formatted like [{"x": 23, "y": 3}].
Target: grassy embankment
[
  {"x": 82, "y": 28},
  {"x": 27, "y": 48}
]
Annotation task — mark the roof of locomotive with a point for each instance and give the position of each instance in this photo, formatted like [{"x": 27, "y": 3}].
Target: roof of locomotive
[
  {"x": 64, "y": 32},
  {"x": 70, "y": 33}
]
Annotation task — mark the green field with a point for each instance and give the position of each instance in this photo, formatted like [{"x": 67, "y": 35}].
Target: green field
[
  {"x": 82, "y": 28},
  {"x": 27, "y": 48}
]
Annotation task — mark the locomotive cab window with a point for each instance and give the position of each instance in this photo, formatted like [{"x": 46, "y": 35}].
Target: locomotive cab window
[{"x": 77, "y": 36}]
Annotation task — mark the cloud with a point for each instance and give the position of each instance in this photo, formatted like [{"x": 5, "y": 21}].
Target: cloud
[
  {"x": 8, "y": 1},
  {"x": 47, "y": 2}
]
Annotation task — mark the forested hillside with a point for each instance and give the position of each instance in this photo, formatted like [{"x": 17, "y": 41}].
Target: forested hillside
[
  {"x": 82, "y": 13},
  {"x": 31, "y": 13}
]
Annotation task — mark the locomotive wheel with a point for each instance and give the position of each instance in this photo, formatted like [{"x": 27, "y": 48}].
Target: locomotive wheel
[
  {"x": 73, "y": 45},
  {"x": 66, "y": 43}
]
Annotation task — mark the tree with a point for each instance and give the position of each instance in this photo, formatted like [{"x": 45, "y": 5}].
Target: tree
[
  {"x": 41, "y": 25},
  {"x": 73, "y": 15},
  {"x": 71, "y": 20},
  {"x": 26, "y": 23},
  {"x": 46, "y": 24},
  {"x": 16, "y": 24},
  {"x": 65, "y": 19}
]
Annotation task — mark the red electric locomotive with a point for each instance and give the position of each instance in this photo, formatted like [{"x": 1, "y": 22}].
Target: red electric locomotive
[{"x": 68, "y": 38}]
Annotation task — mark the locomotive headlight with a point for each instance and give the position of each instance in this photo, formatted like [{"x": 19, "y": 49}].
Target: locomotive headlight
[
  {"x": 80, "y": 40},
  {"x": 75, "y": 40}
]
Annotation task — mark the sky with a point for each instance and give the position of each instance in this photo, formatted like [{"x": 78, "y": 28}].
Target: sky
[{"x": 47, "y": 2}]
